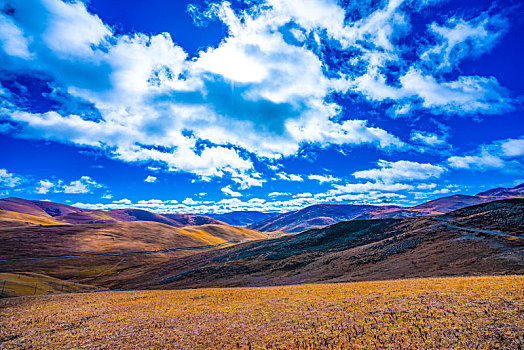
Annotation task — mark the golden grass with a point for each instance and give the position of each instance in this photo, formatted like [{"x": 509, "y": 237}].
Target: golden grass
[
  {"x": 11, "y": 216},
  {"x": 23, "y": 283},
  {"x": 436, "y": 313}
]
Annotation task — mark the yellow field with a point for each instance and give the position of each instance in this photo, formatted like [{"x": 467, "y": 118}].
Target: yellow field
[
  {"x": 440, "y": 313},
  {"x": 25, "y": 219}
]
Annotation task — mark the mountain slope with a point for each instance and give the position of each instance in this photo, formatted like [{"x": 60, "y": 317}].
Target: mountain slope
[
  {"x": 61, "y": 213},
  {"x": 317, "y": 216},
  {"x": 53, "y": 240},
  {"x": 14, "y": 219},
  {"x": 37, "y": 208},
  {"x": 491, "y": 243},
  {"x": 128, "y": 215}
]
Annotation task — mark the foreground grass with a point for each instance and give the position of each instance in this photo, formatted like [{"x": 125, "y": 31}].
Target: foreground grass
[{"x": 436, "y": 313}]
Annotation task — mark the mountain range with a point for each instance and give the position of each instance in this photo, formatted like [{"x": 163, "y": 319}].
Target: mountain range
[
  {"x": 477, "y": 240},
  {"x": 321, "y": 215}
]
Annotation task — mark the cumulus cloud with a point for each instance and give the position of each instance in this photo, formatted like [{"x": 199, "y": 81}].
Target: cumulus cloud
[
  {"x": 227, "y": 190},
  {"x": 8, "y": 179},
  {"x": 459, "y": 38},
  {"x": 83, "y": 185},
  {"x": 289, "y": 177},
  {"x": 503, "y": 154},
  {"x": 324, "y": 178},
  {"x": 278, "y": 194},
  {"x": 389, "y": 172},
  {"x": 150, "y": 179},
  {"x": 44, "y": 186},
  {"x": 427, "y": 138}
]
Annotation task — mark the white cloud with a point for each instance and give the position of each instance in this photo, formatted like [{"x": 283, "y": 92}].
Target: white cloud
[
  {"x": 459, "y": 38},
  {"x": 150, "y": 179},
  {"x": 124, "y": 201},
  {"x": 44, "y": 186},
  {"x": 84, "y": 185},
  {"x": 303, "y": 195},
  {"x": 278, "y": 194},
  {"x": 227, "y": 190},
  {"x": 289, "y": 177},
  {"x": 427, "y": 138},
  {"x": 389, "y": 172},
  {"x": 107, "y": 196},
  {"x": 324, "y": 178},
  {"x": 8, "y": 179},
  {"x": 190, "y": 201},
  {"x": 12, "y": 39},
  {"x": 503, "y": 154}
]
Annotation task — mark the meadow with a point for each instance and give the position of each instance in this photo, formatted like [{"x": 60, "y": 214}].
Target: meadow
[{"x": 434, "y": 313}]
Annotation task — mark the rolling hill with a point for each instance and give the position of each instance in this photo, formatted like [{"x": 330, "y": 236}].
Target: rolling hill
[
  {"x": 66, "y": 214},
  {"x": 37, "y": 208},
  {"x": 483, "y": 239}
]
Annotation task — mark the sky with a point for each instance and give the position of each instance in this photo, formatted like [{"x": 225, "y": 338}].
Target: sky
[{"x": 271, "y": 105}]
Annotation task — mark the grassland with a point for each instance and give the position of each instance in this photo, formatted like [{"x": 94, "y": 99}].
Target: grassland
[{"x": 435, "y": 313}]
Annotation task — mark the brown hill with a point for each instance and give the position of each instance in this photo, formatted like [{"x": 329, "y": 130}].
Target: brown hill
[
  {"x": 450, "y": 203},
  {"x": 316, "y": 216},
  {"x": 14, "y": 219},
  {"x": 97, "y": 253},
  {"x": 484, "y": 239},
  {"x": 127, "y": 215},
  {"x": 37, "y": 208},
  {"x": 61, "y": 213},
  {"x": 55, "y": 240}
]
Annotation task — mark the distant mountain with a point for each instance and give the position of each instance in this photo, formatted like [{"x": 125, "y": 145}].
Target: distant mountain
[
  {"x": 449, "y": 203},
  {"x": 66, "y": 214},
  {"x": 484, "y": 239},
  {"x": 318, "y": 216},
  {"x": 127, "y": 215},
  {"x": 517, "y": 191},
  {"x": 242, "y": 218}
]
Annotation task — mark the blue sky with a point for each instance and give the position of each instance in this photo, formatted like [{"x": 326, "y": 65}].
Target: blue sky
[{"x": 188, "y": 106}]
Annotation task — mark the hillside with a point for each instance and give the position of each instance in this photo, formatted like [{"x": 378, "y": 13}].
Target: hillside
[
  {"x": 465, "y": 242},
  {"x": 127, "y": 215},
  {"x": 93, "y": 251},
  {"x": 37, "y": 208},
  {"x": 66, "y": 214},
  {"x": 316, "y": 216}
]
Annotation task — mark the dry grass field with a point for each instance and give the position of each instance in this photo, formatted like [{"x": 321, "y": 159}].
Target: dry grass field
[{"x": 434, "y": 313}]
